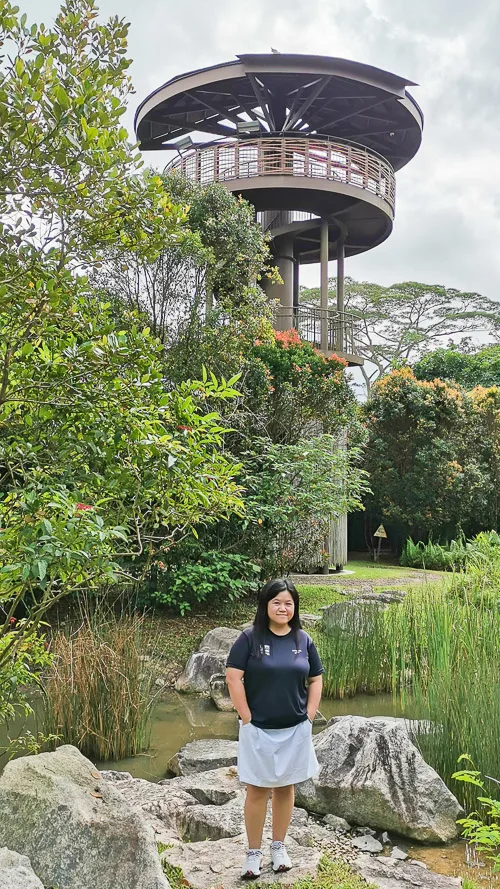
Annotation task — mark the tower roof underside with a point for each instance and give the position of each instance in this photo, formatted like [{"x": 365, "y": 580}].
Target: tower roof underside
[{"x": 290, "y": 94}]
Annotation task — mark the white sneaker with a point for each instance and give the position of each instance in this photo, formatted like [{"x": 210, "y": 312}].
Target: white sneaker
[
  {"x": 280, "y": 858},
  {"x": 253, "y": 865}
]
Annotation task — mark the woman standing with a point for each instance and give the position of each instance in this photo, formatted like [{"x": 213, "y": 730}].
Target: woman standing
[{"x": 274, "y": 679}]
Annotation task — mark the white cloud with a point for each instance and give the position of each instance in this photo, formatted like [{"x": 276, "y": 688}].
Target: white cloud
[{"x": 448, "y": 199}]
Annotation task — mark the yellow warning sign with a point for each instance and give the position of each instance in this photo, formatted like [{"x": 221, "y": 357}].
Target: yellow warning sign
[{"x": 380, "y": 532}]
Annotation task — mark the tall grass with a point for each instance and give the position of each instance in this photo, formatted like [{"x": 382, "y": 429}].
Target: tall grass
[
  {"x": 449, "y": 649},
  {"x": 354, "y": 651},
  {"x": 439, "y": 650},
  {"x": 101, "y": 688}
]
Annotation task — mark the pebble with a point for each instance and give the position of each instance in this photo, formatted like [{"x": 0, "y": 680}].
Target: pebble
[
  {"x": 399, "y": 854},
  {"x": 367, "y": 843}
]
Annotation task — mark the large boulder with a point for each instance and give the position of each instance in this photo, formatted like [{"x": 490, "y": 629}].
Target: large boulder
[
  {"x": 193, "y": 807},
  {"x": 209, "y": 659},
  {"x": 203, "y": 756},
  {"x": 16, "y": 871},
  {"x": 371, "y": 774},
  {"x": 77, "y": 830},
  {"x": 355, "y": 617}
]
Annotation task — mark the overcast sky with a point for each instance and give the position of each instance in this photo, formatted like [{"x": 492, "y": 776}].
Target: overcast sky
[{"x": 447, "y": 227}]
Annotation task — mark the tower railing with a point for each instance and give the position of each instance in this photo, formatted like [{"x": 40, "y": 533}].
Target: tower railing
[
  {"x": 342, "y": 327},
  {"x": 307, "y": 158}
]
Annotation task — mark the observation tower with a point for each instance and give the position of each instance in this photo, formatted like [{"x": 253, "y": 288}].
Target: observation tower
[{"x": 313, "y": 143}]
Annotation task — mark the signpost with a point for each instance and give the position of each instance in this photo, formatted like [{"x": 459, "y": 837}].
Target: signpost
[{"x": 380, "y": 533}]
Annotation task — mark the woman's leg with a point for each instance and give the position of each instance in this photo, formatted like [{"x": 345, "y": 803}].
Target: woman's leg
[
  {"x": 255, "y": 814},
  {"x": 283, "y": 800}
]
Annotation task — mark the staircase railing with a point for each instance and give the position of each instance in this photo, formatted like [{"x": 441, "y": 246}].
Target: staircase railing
[{"x": 342, "y": 327}]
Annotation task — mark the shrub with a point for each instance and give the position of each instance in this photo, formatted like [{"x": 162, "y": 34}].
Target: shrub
[
  {"x": 434, "y": 556},
  {"x": 483, "y": 832},
  {"x": 203, "y": 577}
]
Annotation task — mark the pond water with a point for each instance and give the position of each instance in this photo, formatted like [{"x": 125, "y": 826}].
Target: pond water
[{"x": 178, "y": 719}]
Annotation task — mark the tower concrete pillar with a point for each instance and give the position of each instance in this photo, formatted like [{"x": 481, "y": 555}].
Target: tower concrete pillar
[
  {"x": 339, "y": 339},
  {"x": 284, "y": 292},
  {"x": 324, "y": 285}
]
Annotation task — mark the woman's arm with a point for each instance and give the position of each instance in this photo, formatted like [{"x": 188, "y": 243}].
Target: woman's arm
[
  {"x": 237, "y": 693},
  {"x": 314, "y": 690}
]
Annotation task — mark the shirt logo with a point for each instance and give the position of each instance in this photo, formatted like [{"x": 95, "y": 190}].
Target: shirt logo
[
  {"x": 265, "y": 649},
  {"x": 296, "y": 650}
]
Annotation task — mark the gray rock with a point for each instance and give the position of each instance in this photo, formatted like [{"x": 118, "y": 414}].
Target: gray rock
[
  {"x": 385, "y": 839},
  {"x": 199, "y": 823},
  {"x": 383, "y": 872},
  {"x": 336, "y": 823},
  {"x": 115, "y": 777},
  {"x": 203, "y": 756},
  {"x": 399, "y": 854},
  {"x": 384, "y": 597},
  {"x": 219, "y": 692},
  {"x": 209, "y": 659},
  {"x": 310, "y": 620},
  {"x": 77, "y": 830},
  {"x": 16, "y": 871},
  {"x": 218, "y": 863},
  {"x": 159, "y": 804},
  {"x": 216, "y": 787},
  {"x": 371, "y": 773},
  {"x": 353, "y": 616},
  {"x": 319, "y": 719},
  {"x": 367, "y": 843},
  {"x": 412, "y": 727}
]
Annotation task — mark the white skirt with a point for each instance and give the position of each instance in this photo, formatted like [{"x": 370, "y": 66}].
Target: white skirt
[{"x": 276, "y": 757}]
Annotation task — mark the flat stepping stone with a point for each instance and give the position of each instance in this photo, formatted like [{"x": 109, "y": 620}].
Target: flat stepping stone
[
  {"x": 218, "y": 863},
  {"x": 203, "y": 756}
]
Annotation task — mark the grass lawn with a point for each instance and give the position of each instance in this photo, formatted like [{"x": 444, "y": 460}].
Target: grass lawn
[
  {"x": 313, "y": 596},
  {"x": 366, "y": 570}
]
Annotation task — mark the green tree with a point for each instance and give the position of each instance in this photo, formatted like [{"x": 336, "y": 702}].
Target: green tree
[
  {"x": 293, "y": 491},
  {"x": 216, "y": 261},
  {"x": 426, "y": 475},
  {"x": 466, "y": 367},
  {"x": 98, "y": 461},
  {"x": 397, "y": 324}
]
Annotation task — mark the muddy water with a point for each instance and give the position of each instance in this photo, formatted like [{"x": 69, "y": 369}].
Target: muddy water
[
  {"x": 181, "y": 718},
  {"x": 456, "y": 860},
  {"x": 178, "y": 719}
]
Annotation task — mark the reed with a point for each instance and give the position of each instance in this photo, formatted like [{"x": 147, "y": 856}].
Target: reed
[
  {"x": 354, "y": 651},
  {"x": 101, "y": 688},
  {"x": 439, "y": 650}
]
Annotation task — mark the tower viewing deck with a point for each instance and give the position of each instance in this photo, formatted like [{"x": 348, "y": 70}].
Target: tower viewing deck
[{"x": 313, "y": 143}]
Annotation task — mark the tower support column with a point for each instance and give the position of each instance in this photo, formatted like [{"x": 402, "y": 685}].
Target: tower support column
[
  {"x": 324, "y": 285},
  {"x": 284, "y": 292},
  {"x": 340, "y": 337}
]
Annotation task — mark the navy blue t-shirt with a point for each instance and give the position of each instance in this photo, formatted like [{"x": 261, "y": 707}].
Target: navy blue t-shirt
[{"x": 276, "y": 681}]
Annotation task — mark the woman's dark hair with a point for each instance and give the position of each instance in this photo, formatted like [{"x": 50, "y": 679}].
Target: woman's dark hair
[{"x": 269, "y": 591}]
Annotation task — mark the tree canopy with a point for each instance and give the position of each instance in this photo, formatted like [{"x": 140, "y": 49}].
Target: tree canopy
[
  {"x": 398, "y": 324},
  {"x": 467, "y": 367},
  {"x": 98, "y": 460},
  {"x": 431, "y": 456}
]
